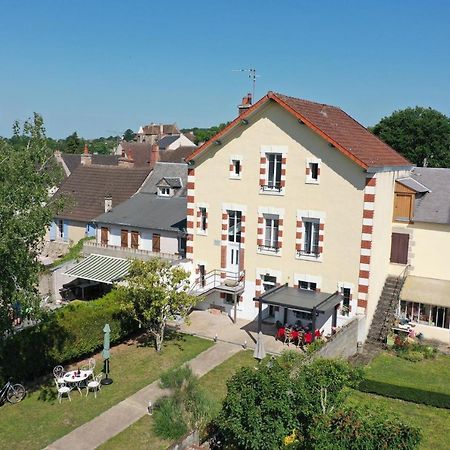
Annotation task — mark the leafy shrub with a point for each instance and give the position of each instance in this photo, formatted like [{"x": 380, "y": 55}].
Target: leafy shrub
[
  {"x": 413, "y": 356},
  {"x": 361, "y": 429},
  {"x": 187, "y": 408},
  {"x": 314, "y": 346},
  {"x": 64, "y": 335},
  {"x": 168, "y": 422}
]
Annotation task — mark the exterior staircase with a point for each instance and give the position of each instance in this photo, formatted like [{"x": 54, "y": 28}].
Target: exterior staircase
[{"x": 383, "y": 319}]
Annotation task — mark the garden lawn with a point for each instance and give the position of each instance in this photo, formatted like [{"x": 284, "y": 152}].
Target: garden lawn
[
  {"x": 434, "y": 422},
  {"x": 427, "y": 375},
  {"x": 141, "y": 432},
  {"x": 40, "y": 419}
]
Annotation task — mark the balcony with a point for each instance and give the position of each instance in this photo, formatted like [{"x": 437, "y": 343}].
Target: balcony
[
  {"x": 221, "y": 281},
  {"x": 90, "y": 247}
]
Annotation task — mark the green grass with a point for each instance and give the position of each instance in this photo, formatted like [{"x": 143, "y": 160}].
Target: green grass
[
  {"x": 40, "y": 419},
  {"x": 428, "y": 375},
  {"x": 141, "y": 432},
  {"x": 434, "y": 422},
  {"x": 421, "y": 382}
]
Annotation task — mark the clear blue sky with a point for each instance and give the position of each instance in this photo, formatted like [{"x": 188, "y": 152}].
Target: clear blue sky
[{"x": 99, "y": 67}]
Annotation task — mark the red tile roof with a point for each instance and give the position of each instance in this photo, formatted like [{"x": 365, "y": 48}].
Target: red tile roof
[{"x": 334, "y": 125}]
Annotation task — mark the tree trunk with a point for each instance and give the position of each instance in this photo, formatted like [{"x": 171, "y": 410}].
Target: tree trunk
[{"x": 159, "y": 337}]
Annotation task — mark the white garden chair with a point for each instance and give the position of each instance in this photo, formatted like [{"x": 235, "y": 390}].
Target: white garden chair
[
  {"x": 90, "y": 366},
  {"x": 63, "y": 389},
  {"x": 58, "y": 373},
  {"x": 95, "y": 385}
]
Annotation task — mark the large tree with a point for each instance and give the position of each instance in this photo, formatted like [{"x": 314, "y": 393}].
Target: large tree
[
  {"x": 156, "y": 293},
  {"x": 420, "y": 134},
  {"x": 27, "y": 171}
]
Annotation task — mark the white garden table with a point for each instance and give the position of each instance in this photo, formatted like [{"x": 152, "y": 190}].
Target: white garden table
[{"x": 75, "y": 378}]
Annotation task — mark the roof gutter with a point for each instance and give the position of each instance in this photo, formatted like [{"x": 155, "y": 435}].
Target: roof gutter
[{"x": 379, "y": 169}]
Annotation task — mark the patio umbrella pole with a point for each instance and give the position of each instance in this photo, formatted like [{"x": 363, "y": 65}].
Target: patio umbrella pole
[{"x": 106, "y": 355}]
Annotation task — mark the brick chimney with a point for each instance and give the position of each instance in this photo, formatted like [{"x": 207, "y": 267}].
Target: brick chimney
[
  {"x": 126, "y": 160},
  {"x": 246, "y": 103},
  {"x": 86, "y": 157},
  {"x": 154, "y": 154},
  {"x": 108, "y": 203}
]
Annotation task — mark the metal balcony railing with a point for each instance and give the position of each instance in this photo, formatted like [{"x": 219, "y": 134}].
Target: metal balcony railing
[{"x": 125, "y": 252}]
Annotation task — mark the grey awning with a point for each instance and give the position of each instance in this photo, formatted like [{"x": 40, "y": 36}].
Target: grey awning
[
  {"x": 300, "y": 299},
  {"x": 413, "y": 184},
  {"x": 104, "y": 269},
  {"x": 426, "y": 290}
]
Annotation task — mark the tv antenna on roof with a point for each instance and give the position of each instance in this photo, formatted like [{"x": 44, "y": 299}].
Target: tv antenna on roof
[{"x": 252, "y": 75}]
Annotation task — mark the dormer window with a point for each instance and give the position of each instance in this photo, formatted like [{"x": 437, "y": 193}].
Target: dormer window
[
  {"x": 168, "y": 186},
  {"x": 164, "y": 191}
]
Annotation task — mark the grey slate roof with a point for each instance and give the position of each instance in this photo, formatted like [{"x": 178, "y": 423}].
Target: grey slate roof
[
  {"x": 173, "y": 182},
  {"x": 166, "y": 170},
  {"x": 432, "y": 206},
  {"x": 145, "y": 210},
  {"x": 165, "y": 141},
  {"x": 413, "y": 184}
]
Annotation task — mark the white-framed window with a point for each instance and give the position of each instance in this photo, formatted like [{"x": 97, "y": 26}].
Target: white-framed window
[
  {"x": 234, "y": 225},
  {"x": 203, "y": 219},
  {"x": 346, "y": 293},
  {"x": 421, "y": 313},
  {"x": 271, "y": 227},
  {"x": 311, "y": 237},
  {"x": 235, "y": 168},
  {"x": 164, "y": 191},
  {"x": 307, "y": 285},
  {"x": 268, "y": 282},
  {"x": 273, "y": 171},
  {"x": 313, "y": 171}
]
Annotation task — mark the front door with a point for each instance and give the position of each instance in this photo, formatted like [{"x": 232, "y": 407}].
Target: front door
[
  {"x": 233, "y": 257},
  {"x": 234, "y": 241}
]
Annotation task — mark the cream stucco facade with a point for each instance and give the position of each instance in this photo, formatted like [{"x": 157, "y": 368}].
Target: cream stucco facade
[{"x": 337, "y": 199}]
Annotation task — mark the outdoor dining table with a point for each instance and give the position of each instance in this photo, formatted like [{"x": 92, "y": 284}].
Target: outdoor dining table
[{"x": 76, "y": 379}]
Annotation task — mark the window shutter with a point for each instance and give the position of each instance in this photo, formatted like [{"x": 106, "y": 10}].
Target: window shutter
[
  {"x": 399, "y": 248},
  {"x": 53, "y": 231},
  {"x": 156, "y": 245}
]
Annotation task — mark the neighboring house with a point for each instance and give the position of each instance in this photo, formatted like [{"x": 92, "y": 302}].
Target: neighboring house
[
  {"x": 70, "y": 161},
  {"x": 175, "y": 141},
  {"x": 153, "y": 220},
  {"x": 86, "y": 189},
  {"x": 142, "y": 154},
  {"x": 154, "y": 131},
  {"x": 421, "y": 246},
  {"x": 294, "y": 194}
]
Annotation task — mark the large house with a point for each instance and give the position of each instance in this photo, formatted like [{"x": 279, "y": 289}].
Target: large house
[
  {"x": 294, "y": 194},
  {"x": 420, "y": 249},
  {"x": 154, "y": 131}
]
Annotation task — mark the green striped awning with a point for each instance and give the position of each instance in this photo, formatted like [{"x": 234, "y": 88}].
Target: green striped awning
[{"x": 100, "y": 268}]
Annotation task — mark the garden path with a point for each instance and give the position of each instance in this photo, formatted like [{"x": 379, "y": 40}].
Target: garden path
[{"x": 94, "y": 433}]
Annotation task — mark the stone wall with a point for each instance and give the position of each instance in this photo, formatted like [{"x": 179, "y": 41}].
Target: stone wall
[{"x": 343, "y": 344}]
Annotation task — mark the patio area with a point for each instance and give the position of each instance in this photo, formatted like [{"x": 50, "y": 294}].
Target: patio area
[{"x": 213, "y": 323}]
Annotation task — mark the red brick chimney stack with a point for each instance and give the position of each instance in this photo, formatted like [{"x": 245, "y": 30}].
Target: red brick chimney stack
[
  {"x": 86, "y": 157},
  {"x": 154, "y": 154},
  {"x": 246, "y": 103}
]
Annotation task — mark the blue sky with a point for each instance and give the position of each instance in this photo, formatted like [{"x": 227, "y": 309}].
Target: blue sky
[{"x": 99, "y": 67}]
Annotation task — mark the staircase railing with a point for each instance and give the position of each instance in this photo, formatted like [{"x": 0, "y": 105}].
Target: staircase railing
[
  {"x": 215, "y": 278},
  {"x": 390, "y": 315}
]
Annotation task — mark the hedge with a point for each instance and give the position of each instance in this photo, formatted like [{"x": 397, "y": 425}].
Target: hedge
[
  {"x": 410, "y": 394},
  {"x": 67, "y": 334}
]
